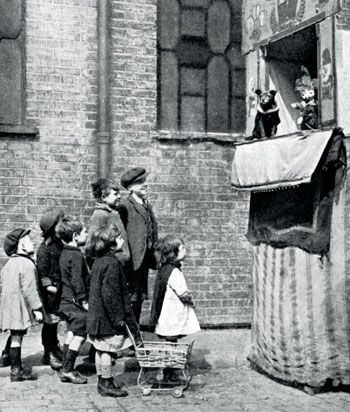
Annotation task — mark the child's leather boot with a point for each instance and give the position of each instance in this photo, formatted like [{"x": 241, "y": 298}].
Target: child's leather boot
[
  {"x": 106, "y": 387},
  {"x": 68, "y": 374},
  {"x": 18, "y": 374}
]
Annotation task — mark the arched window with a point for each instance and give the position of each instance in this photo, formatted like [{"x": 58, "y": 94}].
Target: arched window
[{"x": 201, "y": 71}]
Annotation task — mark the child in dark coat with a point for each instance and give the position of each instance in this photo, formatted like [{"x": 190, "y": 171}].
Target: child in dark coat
[
  {"x": 108, "y": 197},
  {"x": 109, "y": 307},
  {"x": 48, "y": 256},
  {"x": 75, "y": 289},
  {"x": 20, "y": 304}
]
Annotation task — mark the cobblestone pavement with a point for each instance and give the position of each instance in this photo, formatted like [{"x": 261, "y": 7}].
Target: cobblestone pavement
[{"x": 220, "y": 382}]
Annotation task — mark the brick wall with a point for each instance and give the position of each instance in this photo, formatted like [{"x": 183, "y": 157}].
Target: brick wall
[
  {"x": 55, "y": 169},
  {"x": 343, "y": 17},
  {"x": 190, "y": 179}
]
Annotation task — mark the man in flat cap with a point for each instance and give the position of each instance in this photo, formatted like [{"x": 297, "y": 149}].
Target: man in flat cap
[{"x": 141, "y": 228}]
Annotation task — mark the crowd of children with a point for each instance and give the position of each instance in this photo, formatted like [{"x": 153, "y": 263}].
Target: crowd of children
[{"x": 95, "y": 281}]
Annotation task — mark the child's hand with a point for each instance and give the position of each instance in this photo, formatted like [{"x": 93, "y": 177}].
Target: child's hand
[
  {"x": 38, "y": 315},
  {"x": 186, "y": 299},
  {"x": 52, "y": 289}
]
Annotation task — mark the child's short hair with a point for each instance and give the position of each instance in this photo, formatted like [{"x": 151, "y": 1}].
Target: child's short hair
[
  {"x": 102, "y": 188},
  {"x": 167, "y": 249},
  {"x": 101, "y": 240},
  {"x": 67, "y": 226}
]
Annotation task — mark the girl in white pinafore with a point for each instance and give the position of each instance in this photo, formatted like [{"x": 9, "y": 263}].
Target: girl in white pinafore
[{"x": 172, "y": 313}]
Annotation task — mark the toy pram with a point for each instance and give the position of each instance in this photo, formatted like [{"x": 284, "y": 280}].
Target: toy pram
[
  {"x": 164, "y": 355},
  {"x": 160, "y": 355}
]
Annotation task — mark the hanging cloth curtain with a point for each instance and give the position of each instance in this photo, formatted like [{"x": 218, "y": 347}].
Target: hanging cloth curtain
[
  {"x": 292, "y": 182},
  {"x": 301, "y": 307}
]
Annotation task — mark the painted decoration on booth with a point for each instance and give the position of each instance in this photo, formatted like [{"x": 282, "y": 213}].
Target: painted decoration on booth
[
  {"x": 266, "y": 20},
  {"x": 327, "y": 93}
]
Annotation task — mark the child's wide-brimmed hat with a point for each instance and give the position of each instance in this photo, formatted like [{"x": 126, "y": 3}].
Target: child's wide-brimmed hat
[
  {"x": 136, "y": 174},
  {"x": 12, "y": 239},
  {"x": 48, "y": 221}
]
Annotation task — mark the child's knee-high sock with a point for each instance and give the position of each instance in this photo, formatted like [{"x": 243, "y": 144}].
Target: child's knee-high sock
[
  {"x": 76, "y": 343},
  {"x": 92, "y": 353},
  {"x": 64, "y": 351},
  {"x": 69, "y": 360},
  {"x": 98, "y": 365},
  {"x": 15, "y": 356},
  {"x": 6, "y": 350},
  {"x": 106, "y": 365},
  {"x": 15, "y": 353},
  {"x": 67, "y": 341},
  {"x": 72, "y": 353},
  {"x": 49, "y": 336}
]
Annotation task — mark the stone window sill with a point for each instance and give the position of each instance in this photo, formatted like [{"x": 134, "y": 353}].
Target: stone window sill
[
  {"x": 23, "y": 131},
  {"x": 195, "y": 137}
]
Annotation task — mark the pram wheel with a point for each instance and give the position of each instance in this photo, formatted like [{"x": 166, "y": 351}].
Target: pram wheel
[
  {"x": 177, "y": 392},
  {"x": 146, "y": 391}
]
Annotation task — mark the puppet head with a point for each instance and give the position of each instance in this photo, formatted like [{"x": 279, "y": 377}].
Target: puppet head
[{"x": 267, "y": 99}]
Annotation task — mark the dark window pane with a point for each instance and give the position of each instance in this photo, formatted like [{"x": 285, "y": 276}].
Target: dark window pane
[
  {"x": 238, "y": 83},
  {"x": 10, "y": 82},
  {"x": 218, "y": 95},
  {"x": 193, "y": 23},
  {"x": 195, "y": 3},
  {"x": 168, "y": 91},
  {"x": 236, "y": 23},
  {"x": 193, "y": 52},
  {"x": 169, "y": 23},
  {"x": 10, "y": 18},
  {"x": 238, "y": 104},
  {"x": 238, "y": 115},
  {"x": 192, "y": 81},
  {"x": 209, "y": 92},
  {"x": 219, "y": 20},
  {"x": 192, "y": 114}
]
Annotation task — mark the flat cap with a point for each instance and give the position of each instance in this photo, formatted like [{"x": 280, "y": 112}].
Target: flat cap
[
  {"x": 12, "y": 239},
  {"x": 132, "y": 176}
]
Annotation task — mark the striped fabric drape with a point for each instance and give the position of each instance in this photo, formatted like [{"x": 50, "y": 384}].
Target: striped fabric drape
[{"x": 301, "y": 317}]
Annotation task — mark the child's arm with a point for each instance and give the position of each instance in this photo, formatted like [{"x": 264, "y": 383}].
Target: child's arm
[
  {"x": 29, "y": 286},
  {"x": 46, "y": 272},
  {"x": 186, "y": 299},
  {"x": 76, "y": 280},
  {"x": 178, "y": 284},
  {"x": 43, "y": 265}
]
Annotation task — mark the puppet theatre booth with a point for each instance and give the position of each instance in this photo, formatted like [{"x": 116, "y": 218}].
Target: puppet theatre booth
[
  {"x": 301, "y": 317},
  {"x": 282, "y": 41}
]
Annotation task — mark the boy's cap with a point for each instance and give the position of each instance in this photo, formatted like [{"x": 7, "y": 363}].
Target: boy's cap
[
  {"x": 48, "y": 220},
  {"x": 133, "y": 175},
  {"x": 12, "y": 239}
]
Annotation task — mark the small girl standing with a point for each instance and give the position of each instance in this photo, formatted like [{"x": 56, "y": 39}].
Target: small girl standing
[
  {"x": 109, "y": 306},
  {"x": 172, "y": 312}
]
